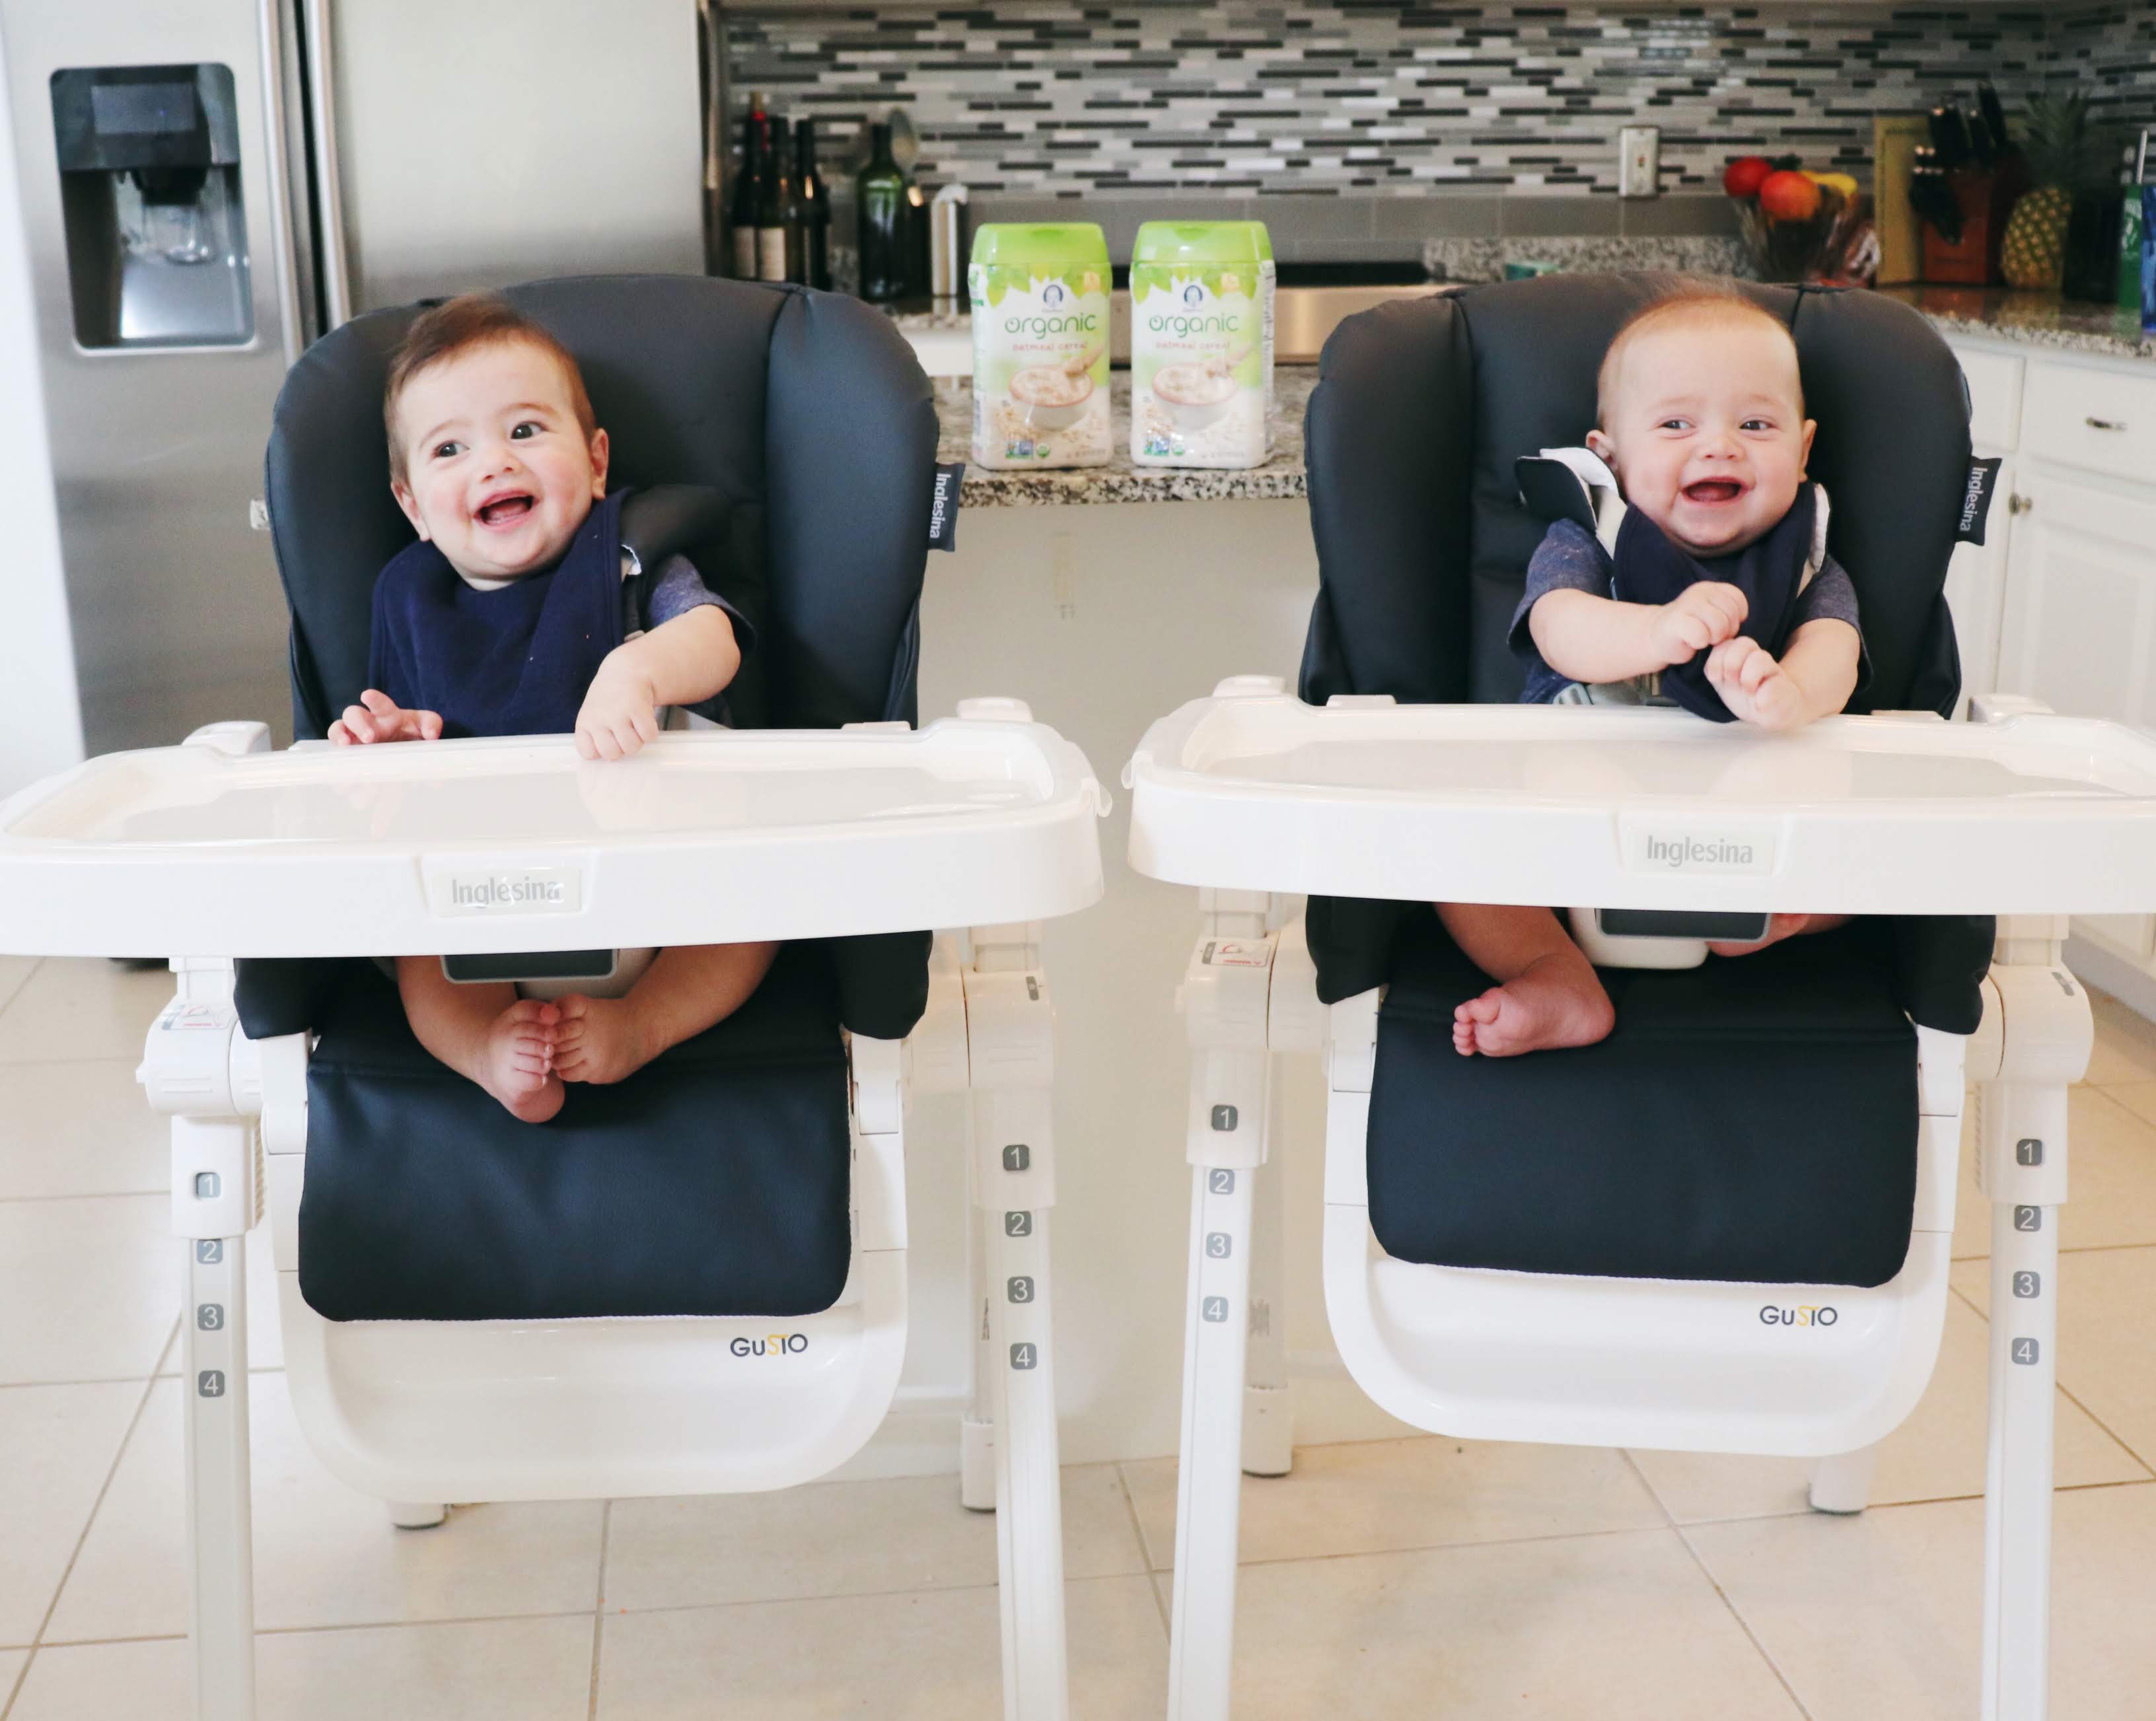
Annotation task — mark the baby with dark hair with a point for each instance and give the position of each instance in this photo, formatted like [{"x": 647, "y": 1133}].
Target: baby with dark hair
[
  {"x": 1705, "y": 583},
  {"x": 520, "y": 611}
]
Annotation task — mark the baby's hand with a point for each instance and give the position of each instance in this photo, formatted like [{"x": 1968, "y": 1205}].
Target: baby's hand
[
  {"x": 379, "y": 718},
  {"x": 1705, "y": 614},
  {"x": 620, "y": 712},
  {"x": 1757, "y": 688}
]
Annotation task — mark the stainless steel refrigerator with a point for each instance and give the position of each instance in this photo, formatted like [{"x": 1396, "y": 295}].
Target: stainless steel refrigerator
[{"x": 206, "y": 185}]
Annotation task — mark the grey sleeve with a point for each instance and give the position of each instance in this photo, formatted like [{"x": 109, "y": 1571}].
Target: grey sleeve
[
  {"x": 1567, "y": 560},
  {"x": 674, "y": 588}
]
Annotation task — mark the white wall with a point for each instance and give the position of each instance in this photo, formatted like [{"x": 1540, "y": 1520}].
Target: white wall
[{"x": 40, "y": 718}]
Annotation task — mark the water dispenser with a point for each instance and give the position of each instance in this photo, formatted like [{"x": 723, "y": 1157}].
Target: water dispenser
[{"x": 157, "y": 234}]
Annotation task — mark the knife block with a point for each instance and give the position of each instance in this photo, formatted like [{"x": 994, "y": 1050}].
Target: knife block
[{"x": 1986, "y": 197}]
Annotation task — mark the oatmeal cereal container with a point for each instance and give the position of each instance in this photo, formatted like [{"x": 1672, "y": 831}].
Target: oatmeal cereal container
[
  {"x": 1040, "y": 293},
  {"x": 1201, "y": 344}
]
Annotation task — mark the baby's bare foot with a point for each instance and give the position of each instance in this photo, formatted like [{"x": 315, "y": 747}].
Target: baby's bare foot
[
  {"x": 1555, "y": 1001},
  {"x": 519, "y": 1060},
  {"x": 600, "y": 1040}
]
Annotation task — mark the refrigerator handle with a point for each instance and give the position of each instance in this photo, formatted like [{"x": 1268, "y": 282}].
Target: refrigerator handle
[
  {"x": 329, "y": 185},
  {"x": 271, "y": 32}
]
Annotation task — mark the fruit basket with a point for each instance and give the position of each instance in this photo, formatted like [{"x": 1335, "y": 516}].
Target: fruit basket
[{"x": 1799, "y": 226}]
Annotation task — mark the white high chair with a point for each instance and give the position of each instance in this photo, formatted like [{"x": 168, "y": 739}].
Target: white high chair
[
  {"x": 1566, "y": 1247},
  {"x": 1252, "y": 795},
  {"x": 459, "y": 1327},
  {"x": 219, "y": 845}
]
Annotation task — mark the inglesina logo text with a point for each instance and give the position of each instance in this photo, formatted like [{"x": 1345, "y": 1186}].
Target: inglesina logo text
[
  {"x": 771, "y": 1344},
  {"x": 1677, "y": 852},
  {"x": 505, "y": 890},
  {"x": 1804, "y": 1314}
]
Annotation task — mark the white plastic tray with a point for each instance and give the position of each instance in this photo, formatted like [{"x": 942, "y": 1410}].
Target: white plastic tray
[
  {"x": 457, "y": 847},
  {"x": 1648, "y": 809}
]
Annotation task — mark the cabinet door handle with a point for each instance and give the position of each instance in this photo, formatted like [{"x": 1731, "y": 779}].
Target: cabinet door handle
[
  {"x": 2095, "y": 423},
  {"x": 2019, "y": 504}
]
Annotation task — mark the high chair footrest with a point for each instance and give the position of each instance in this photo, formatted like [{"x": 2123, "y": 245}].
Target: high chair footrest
[
  {"x": 715, "y": 1181},
  {"x": 1753, "y": 1120}
]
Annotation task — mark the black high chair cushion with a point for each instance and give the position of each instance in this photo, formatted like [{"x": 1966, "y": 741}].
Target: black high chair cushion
[
  {"x": 715, "y": 1182},
  {"x": 1753, "y": 1119},
  {"x": 1421, "y": 409}
]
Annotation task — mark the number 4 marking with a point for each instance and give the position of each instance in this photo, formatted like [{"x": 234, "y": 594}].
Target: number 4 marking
[{"x": 2026, "y": 1351}]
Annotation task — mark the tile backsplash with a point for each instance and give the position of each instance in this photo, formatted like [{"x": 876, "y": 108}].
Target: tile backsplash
[{"x": 1372, "y": 99}]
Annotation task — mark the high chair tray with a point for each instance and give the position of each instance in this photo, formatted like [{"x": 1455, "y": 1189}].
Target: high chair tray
[
  {"x": 451, "y": 848},
  {"x": 1648, "y": 809}
]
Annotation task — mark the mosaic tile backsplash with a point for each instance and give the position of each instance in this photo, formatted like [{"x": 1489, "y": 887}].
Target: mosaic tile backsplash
[{"x": 1369, "y": 98}]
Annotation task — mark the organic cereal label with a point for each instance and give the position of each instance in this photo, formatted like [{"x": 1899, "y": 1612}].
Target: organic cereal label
[
  {"x": 1040, "y": 346},
  {"x": 1201, "y": 346}
]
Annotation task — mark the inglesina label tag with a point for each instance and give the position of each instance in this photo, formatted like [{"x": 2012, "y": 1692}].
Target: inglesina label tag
[
  {"x": 943, "y": 506},
  {"x": 1976, "y": 501}
]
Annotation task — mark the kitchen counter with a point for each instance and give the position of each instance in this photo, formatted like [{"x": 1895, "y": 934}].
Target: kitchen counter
[
  {"x": 1120, "y": 481},
  {"x": 2032, "y": 319}
]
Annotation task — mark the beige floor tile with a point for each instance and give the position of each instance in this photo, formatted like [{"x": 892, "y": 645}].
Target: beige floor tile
[
  {"x": 928, "y": 1657},
  {"x": 2107, "y": 1337},
  {"x": 493, "y": 1670},
  {"x": 2113, "y": 1174},
  {"x": 57, "y": 1445},
  {"x": 2125, "y": 1043},
  {"x": 71, "y": 1010},
  {"x": 843, "y": 1539},
  {"x": 1618, "y": 1628},
  {"x": 1428, "y": 1491},
  {"x": 14, "y": 971},
  {"x": 1881, "y": 1616},
  {"x": 2139, "y": 1097},
  {"x": 94, "y": 1286},
  {"x": 78, "y": 1129},
  {"x": 324, "y": 1555},
  {"x": 1937, "y": 1454}
]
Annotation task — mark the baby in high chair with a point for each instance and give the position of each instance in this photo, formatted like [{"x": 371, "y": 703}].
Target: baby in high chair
[
  {"x": 1707, "y": 585},
  {"x": 520, "y": 611}
]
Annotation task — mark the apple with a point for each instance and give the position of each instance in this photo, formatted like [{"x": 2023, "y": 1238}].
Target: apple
[
  {"x": 1742, "y": 177},
  {"x": 1788, "y": 196}
]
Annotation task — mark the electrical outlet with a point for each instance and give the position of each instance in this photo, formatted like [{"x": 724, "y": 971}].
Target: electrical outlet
[{"x": 1639, "y": 161}]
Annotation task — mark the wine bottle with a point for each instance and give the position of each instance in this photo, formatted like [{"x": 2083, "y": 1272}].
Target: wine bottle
[
  {"x": 808, "y": 215},
  {"x": 771, "y": 205},
  {"x": 744, "y": 209},
  {"x": 881, "y": 206}
]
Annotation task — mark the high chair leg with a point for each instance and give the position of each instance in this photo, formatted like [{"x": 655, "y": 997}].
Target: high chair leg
[
  {"x": 1010, "y": 1042},
  {"x": 1228, "y": 1122},
  {"x": 1842, "y": 1484},
  {"x": 976, "y": 1430},
  {"x": 220, "y": 1505},
  {"x": 1268, "y": 1422},
  {"x": 2042, "y": 1043}
]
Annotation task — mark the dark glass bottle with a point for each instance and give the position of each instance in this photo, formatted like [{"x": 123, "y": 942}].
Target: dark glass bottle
[
  {"x": 808, "y": 215},
  {"x": 879, "y": 203},
  {"x": 771, "y": 205},
  {"x": 745, "y": 182}
]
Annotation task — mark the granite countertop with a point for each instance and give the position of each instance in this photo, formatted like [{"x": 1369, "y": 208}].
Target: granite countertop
[
  {"x": 1119, "y": 480},
  {"x": 2031, "y": 319}
]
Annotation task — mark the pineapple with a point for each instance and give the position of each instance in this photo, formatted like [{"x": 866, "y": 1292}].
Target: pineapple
[{"x": 2064, "y": 155}]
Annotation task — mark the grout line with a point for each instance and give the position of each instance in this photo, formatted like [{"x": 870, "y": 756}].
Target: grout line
[
  {"x": 1744, "y": 1625},
  {"x": 14, "y": 992},
  {"x": 94, "y": 1194},
  {"x": 847, "y": 1595},
  {"x": 1654, "y": 1493},
  {"x": 1145, "y": 1549},
  {"x": 2124, "y": 1445},
  {"x": 599, "y": 1607},
  {"x": 104, "y": 1487},
  {"x": 1567, "y": 1536}
]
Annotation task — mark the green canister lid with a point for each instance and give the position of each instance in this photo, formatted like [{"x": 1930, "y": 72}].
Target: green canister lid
[
  {"x": 1200, "y": 244},
  {"x": 1047, "y": 246}
]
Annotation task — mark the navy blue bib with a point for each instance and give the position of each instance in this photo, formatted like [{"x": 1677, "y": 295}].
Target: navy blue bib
[
  {"x": 515, "y": 661},
  {"x": 1648, "y": 568}
]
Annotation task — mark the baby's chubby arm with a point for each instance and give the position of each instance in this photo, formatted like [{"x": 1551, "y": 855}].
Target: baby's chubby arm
[
  {"x": 681, "y": 662},
  {"x": 1586, "y": 638},
  {"x": 1815, "y": 678}
]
